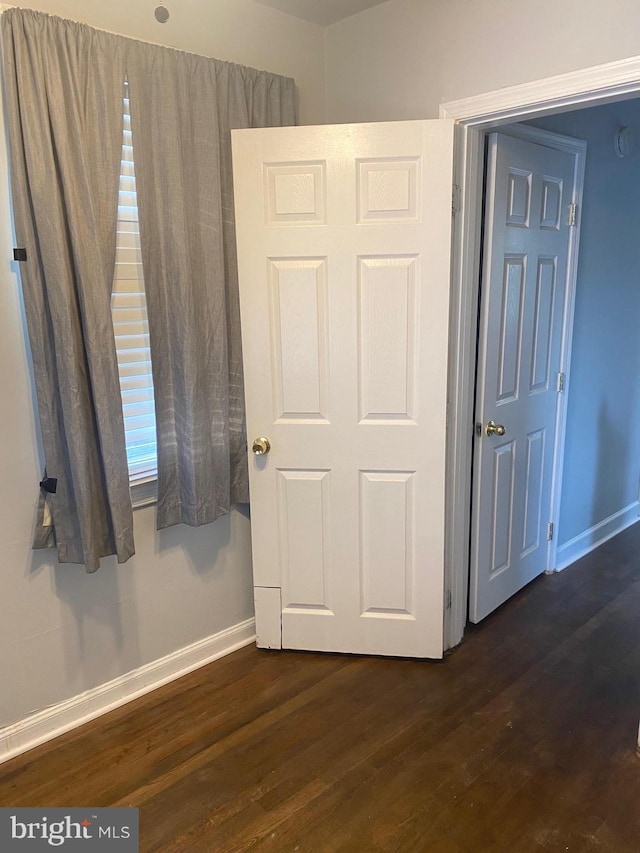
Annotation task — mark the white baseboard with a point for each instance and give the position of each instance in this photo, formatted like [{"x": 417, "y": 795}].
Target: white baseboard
[
  {"x": 590, "y": 539},
  {"x": 48, "y": 724}
]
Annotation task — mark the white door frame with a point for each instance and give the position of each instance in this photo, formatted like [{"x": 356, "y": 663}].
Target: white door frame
[{"x": 600, "y": 84}]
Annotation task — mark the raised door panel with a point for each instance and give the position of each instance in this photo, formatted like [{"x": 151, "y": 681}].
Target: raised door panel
[
  {"x": 504, "y": 460},
  {"x": 295, "y": 193},
  {"x": 543, "y": 325},
  {"x": 388, "y": 307},
  {"x": 299, "y": 325},
  {"x": 387, "y": 539},
  {"x": 389, "y": 190},
  {"x": 551, "y": 204},
  {"x": 518, "y": 198},
  {"x": 305, "y": 545},
  {"x": 533, "y": 491},
  {"x": 510, "y": 341}
]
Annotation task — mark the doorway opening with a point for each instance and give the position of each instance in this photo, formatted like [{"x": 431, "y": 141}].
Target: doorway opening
[
  {"x": 530, "y": 257},
  {"x": 544, "y": 103}
]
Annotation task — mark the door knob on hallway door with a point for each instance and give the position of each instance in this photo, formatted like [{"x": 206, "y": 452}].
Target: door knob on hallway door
[
  {"x": 493, "y": 428},
  {"x": 261, "y": 446}
]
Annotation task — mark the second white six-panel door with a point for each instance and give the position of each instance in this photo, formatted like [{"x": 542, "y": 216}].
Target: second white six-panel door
[{"x": 529, "y": 190}]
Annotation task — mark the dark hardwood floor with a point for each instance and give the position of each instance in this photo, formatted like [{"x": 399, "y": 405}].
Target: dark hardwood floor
[{"x": 523, "y": 739}]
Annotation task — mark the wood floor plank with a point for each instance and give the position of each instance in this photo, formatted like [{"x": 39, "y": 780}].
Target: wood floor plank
[{"x": 523, "y": 739}]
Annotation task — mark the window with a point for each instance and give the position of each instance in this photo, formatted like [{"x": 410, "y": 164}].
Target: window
[{"x": 131, "y": 329}]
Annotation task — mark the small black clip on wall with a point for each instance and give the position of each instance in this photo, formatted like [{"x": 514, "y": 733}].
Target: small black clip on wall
[
  {"x": 49, "y": 484},
  {"x": 19, "y": 254}
]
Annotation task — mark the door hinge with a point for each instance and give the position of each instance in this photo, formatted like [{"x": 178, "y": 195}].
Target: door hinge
[
  {"x": 560, "y": 382},
  {"x": 447, "y": 599},
  {"x": 573, "y": 213},
  {"x": 455, "y": 199},
  {"x": 550, "y": 531}
]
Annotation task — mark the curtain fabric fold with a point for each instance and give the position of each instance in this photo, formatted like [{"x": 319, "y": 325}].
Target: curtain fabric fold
[
  {"x": 183, "y": 108},
  {"x": 245, "y": 98},
  {"x": 63, "y": 91},
  {"x": 64, "y": 85},
  {"x": 175, "y": 131}
]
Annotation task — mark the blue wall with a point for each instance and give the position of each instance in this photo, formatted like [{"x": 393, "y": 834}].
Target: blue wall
[{"x": 601, "y": 473}]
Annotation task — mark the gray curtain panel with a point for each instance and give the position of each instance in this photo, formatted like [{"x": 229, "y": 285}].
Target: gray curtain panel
[
  {"x": 245, "y": 98},
  {"x": 182, "y": 110},
  {"x": 63, "y": 89},
  {"x": 175, "y": 130}
]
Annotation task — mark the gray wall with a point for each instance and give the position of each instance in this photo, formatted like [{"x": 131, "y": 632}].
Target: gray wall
[
  {"x": 63, "y": 632},
  {"x": 601, "y": 471},
  {"x": 403, "y": 58}
]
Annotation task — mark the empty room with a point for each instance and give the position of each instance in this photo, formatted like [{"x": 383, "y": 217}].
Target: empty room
[{"x": 321, "y": 465}]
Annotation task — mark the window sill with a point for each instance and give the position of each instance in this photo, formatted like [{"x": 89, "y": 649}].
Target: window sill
[{"x": 144, "y": 492}]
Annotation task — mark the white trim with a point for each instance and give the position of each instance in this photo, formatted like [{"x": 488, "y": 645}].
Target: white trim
[
  {"x": 48, "y": 724},
  {"x": 590, "y": 539},
  {"x": 463, "y": 314},
  {"x": 590, "y": 86},
  {"x": 599, "y": 84}
]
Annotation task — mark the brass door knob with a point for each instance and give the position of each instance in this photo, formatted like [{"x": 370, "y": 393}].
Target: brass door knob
[
  {"x": 261, "y": 446},
  {"x": 493, "y": 428}
]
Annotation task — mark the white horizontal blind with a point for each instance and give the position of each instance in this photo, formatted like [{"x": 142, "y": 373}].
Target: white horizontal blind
[{"x": 131, "y": 327}]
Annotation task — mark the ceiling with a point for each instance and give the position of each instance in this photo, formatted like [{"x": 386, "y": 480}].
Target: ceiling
[{"x": 322, "y": 12}]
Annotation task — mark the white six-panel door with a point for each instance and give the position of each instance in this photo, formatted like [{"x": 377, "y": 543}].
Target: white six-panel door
[
  {"x": 529, "y": 190},
  {"x": 344, "y": 240}
]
